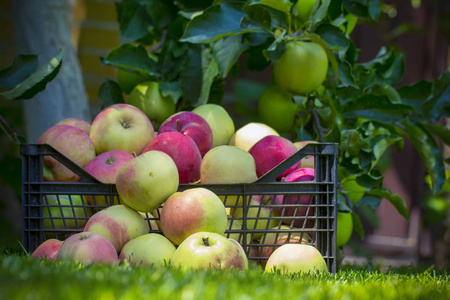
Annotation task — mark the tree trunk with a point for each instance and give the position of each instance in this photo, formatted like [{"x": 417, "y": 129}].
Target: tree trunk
[{"x": 42, "y": 27}]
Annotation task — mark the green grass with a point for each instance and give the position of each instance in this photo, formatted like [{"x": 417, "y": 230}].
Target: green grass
[{"x": 24, "y": 278}]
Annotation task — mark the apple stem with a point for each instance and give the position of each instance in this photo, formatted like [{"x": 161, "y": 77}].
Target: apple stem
[
  {"x": 178, "y": 125},
  {"x": 205, "y": 241}
]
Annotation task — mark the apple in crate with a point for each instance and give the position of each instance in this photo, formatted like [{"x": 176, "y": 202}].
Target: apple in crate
[
  {"x": 279, "y": 237},
  {"x": 72, "y": 142},
  {"x": 209, "y": 250},
  {"x": 259, "y": 216},
  {"x": 121, "y": 127},
  {"x": 118, "y": 223},
  {"x": 308, "y": 160},
  {"x": 88, "y": 248},
  {"x": 105, "y": 167},
  {"x": 64, "y": 212},
  {"x": 234, "y": 224},
  {"x": 191, "y": 125},
  {"x": 191, "y": 211},
  {"x": 296, "y": 258},
  {"x": 246, "y": 136},
  {"x": 303, "y": 212},
  {"x": 220, "y": 122},
  {"x": 271, "y": 150},
  {"x": 47, "y": 249},
  {"x": 145, "y": 182},
  {"x": 80, "y": 123},
  {"x": 184, "y": 152},
  {"x": 148, "y": 249}
]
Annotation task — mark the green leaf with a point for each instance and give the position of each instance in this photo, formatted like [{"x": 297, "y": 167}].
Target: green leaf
[
  {"x": 318, "y": 15},
  {"x": 132, "y": 57},
  {"x": 335, "y": 38},
  {"x": 438, "y": 103},
  {"x": 440, "y": 131},
  {"x": 110, "y": 93},
  {"x": 172, "y": 89},
  {"x": 197, "y": 75},
  {"x": 37, "y": 81},
  {"x": 377, "y": 108},
  {"x": 20, "y": 69},
  {"x": 162, "y": 12},
  {"x": 395, "y": 200},
  {"x": 428, "y": 151},
  {"x": 389, "y": 66},
  {"x": 345, "y": 74},
  {"x": 226, "y": 52},
  {"x": 415, "y": 94},
  {"x": 281, "y": 5},
  {"x": 134, "y": 21},
  {"x": 364, "y": 8},
  {"x": 216, "y": 22},
  {"x": 357, "y": 225}
]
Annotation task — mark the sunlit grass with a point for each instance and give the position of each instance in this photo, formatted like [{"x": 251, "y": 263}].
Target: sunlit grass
[{"x": 24, "y": 278}]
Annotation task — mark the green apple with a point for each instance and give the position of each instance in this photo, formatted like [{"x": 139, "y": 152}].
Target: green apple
[
  {"x": 301, "y": 68},
  {"x": 209, "y": 250},
  {"x": 148, "y": 249},
  {"x": 344, "y": 228},
  {"x": 65, "y": 212},
  {"x": 147, "y": 97},
  {"x": 246, "y": 136},
  {"x": 128, "y": 79},
  {"x": 219, "y": 120},
  {"x": 145, "y": 182},
  {"x": 234, "y": 224},
  {"x": 296, "y": 258},
  {"x": 277, "y": 109},
  {"x": 304, "y": 9}
]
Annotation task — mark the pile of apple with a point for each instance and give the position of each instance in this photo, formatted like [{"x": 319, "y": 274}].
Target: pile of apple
[{"x": 121, "y": 147}]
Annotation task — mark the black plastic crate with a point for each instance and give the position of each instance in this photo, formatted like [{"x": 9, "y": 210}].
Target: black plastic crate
[{"x": 58, "y": 209}]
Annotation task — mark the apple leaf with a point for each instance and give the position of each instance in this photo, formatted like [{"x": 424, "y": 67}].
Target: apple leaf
[
  {"x": 216, "y": 22},
  {"x": 395, "y": 200},
  {"x": 226, "y": 52},
  {"x": 20, "y": 69},
  {"x": 415, "y": 94},
  {"x": 334, "y": 38},
  {"x": 363, "y": 8},
  {"x": 37, "y": 81},
  {"x": 438, "y": 103},
  {"x": 357, "y": 225},
  {"x": 440, "y": 131},
  {"x": 281, "y": 5},
  {"x": 318, "y": 14},
  {"x": 134, "y": 21},
  {"x": 110, "y": 93},
  {"x": 132, "y": 57},
  {"x": 428, "y": 151}
]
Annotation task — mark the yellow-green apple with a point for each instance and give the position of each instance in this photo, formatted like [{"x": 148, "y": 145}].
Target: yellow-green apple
[
  {"x": 184, "y": 152},
  {"x": 219, "y": 120},
  {"x": 118, "y": 223},
  {"x": 304, "y": 9},
  {"x": 246, "y": 136},
  {"x": 209, "y": 250},
  {"x": 105, "y": 167},
  {"x": 191, "y": 125},
  {"x": 344, "y": 228},
  {"x": 191, "y": 211},
  {"x": 145, "y": 182},
  {"x": 302, "y": 67},
  {"x": 228, "y": 164},
  {"x": 299, "y": 207},
  {"x": 234, "y": 224},
  {"x": 277, "y": 108},
  {"x": 72, "y": 142},
  {"x": 148, "y": 249},
  {"x": 121, "y": 127},
  {"x": 152, "y": 222},
  {"x": 308, "y": 160},
  {"x": 128, "y": 79},
  {"x": 296, "y": 258},
  {"x": 47, "y": 249},
  {"x": 273, "y": 239},
  {"x": 64, "y": 212},
  {"x": 148, "y": 97},
  {"x": 271, "y": 150},
  {"x": 79, "y": 123},
  {"x": 88, "y": 248},
  {"x": 259, "y": 215}
]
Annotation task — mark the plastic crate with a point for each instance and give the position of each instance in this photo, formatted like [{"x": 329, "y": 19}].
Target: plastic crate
[{"x": 72, "y": 203}]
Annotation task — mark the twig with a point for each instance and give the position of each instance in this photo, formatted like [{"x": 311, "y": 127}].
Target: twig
[
  {"x": 161, "y": 42},
  {"x": 8, "y": 130}
]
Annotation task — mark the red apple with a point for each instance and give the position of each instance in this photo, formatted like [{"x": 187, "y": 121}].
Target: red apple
[
  {"x": 191, "y": 211},
  {"x": 121, "y": 127},
  {"x": 301, "y": 210},
  {"x": 48, "y": 249},
  {"x": 270, "y": 151},
  {"x": 88, "y": 248},
  {"x": 72, "y": 142},
  {"x": 184, "y": 152},
  {"x": 191, "y": 125},
  {"x": 209, "y": 250},
  {"x": 118, "y": 223},
  {"x": 80, "y": 123}
]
